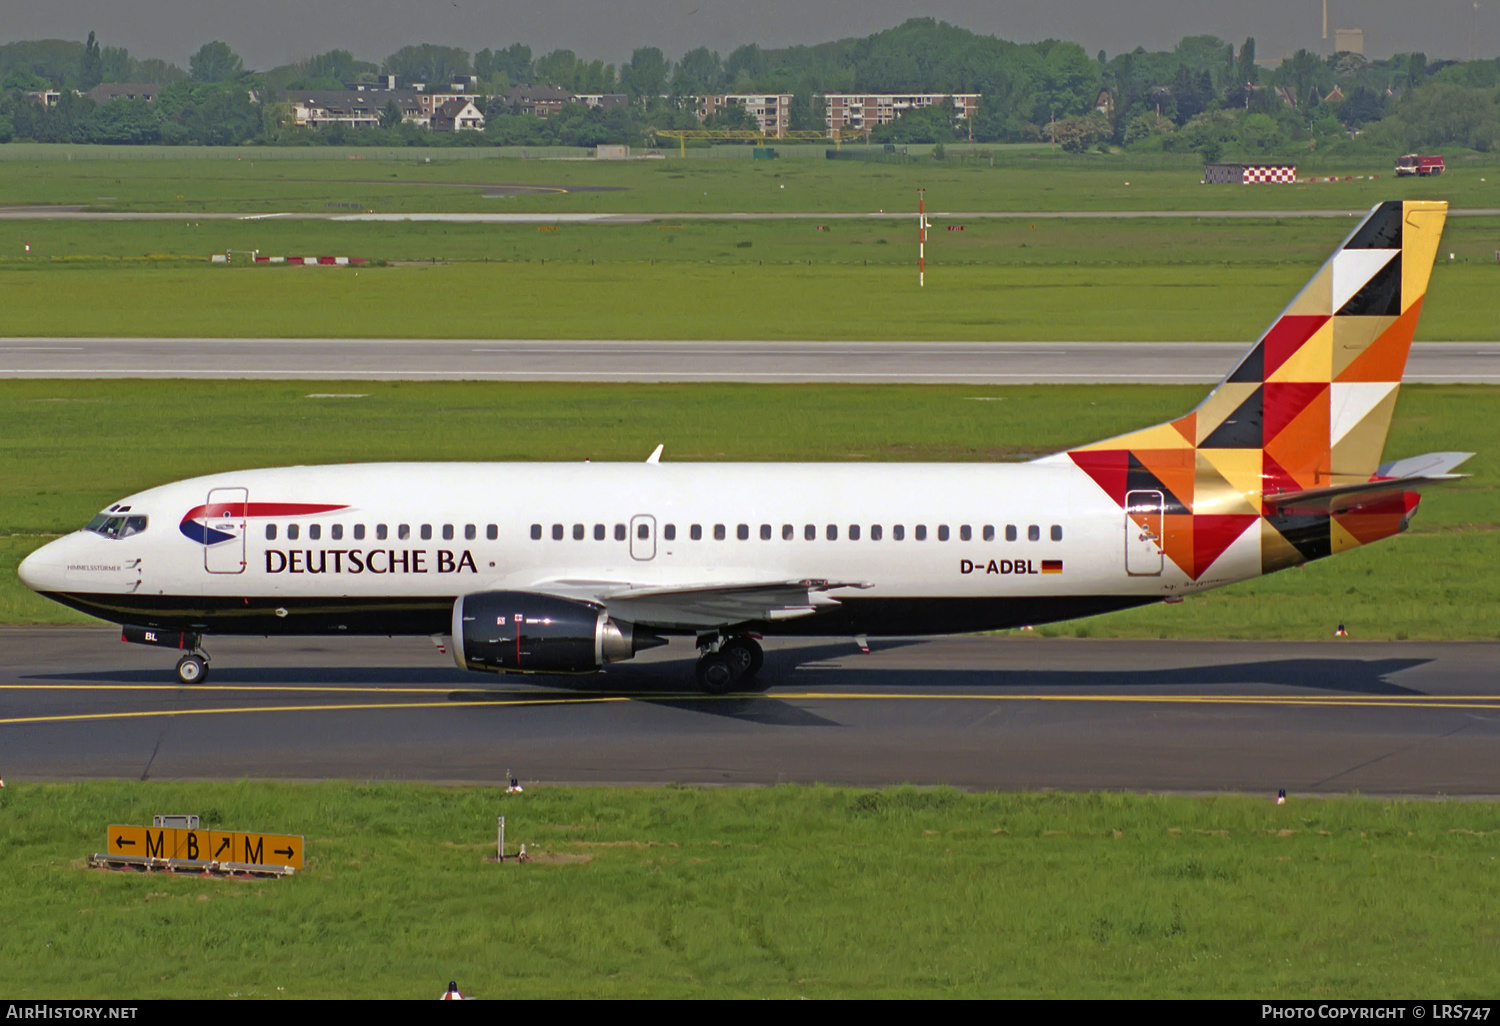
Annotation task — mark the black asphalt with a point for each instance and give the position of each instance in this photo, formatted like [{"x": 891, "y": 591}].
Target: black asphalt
[{"x": 1017, "y": 712}]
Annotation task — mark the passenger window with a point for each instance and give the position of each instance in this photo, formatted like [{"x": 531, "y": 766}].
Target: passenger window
[
  {"x": 470, "y": 532},
  {"x": 874, "y": 532},
  {"x": 270, "y": 532},
  {"x": 620, "y": 532},
  {"x": 426, "y": 532},
  {"x": 643, "y": 531},
  {"x": 833, "y": 532},
  {"x": 1057, "y": 532},
  {"x": 742, "y": 532},
  {"x": 314, "y": 531},
  {"x": 337, "y": 532},
  {"x": 669, "y": 532},
  {"x": 291, "y": 532},
  {"x": 599, "y": 532},
  {"x": 989, "y": 532},
  {"x": 536, "y": 532},
  {"x": 810, "y": 532},
  {"x": 380, "y": 532},
  {"x": 919, "y": 532},
  {"x": 359, "y": 532},
  {"x": 1033, "y": 533},
  {"x": 557, "y": 532},
  {"x": 765, "y": 532},
  {"x": 578, "y": 532},
  {"x": 898, "y": 532},
  {"x": 492, "y": 531},
  {"x": 1010, "y": 532},
  {"x": 719, "y": 532},
  {"x": 965, "y": 533},
  {"x": 854, "y": 532},
  {"x": 447, "y": 532},
  {"x": 696, "y": 532},
  {"x": 403, "y": 531},
  {"x": 942, "y": 532},
  {"x": 788, "y": 532}
]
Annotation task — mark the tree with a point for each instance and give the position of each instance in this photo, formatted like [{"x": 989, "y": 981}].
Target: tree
[
  {"x": 1245, "y": 70},
  {"x": 215, "y": 62},
  {"x": 435, "y": 65},
  {"x": 932, "y": 124},
  {"x": 91, "y": 67},
  {"x": 645, "y": 77},
  {"x": 390, "y": 115},
  {"x": 1361, "y": 107},
  {"x": 557, "y": 68},
  {"x": 123, "y": 122},
  {"x": 699, "y": 73}
]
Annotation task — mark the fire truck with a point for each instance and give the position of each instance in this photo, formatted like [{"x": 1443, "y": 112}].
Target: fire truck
[{"x": 1415, "y": 164}]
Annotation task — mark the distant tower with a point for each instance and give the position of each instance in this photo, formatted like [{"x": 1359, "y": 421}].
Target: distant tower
[{"x": 1325, "y": 24}]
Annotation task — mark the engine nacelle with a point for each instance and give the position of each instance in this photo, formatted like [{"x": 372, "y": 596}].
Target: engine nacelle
[{"x": 523, "y": 632}]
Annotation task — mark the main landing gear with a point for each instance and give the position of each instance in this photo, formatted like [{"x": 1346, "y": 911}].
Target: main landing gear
[{"x": 725, "y": 662}]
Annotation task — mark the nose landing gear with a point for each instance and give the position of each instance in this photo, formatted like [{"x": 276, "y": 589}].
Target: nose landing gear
[
  {"x": 727, "y": 661},
  {"x": 192, "y": 668}
]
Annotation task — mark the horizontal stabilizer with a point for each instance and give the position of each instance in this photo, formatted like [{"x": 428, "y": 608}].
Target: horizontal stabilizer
[{"x": 1392, "y": 479}]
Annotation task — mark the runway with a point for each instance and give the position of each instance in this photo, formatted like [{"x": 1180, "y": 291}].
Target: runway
[
  {"x": 972, "y": 363},
  {"x": 1011, "y": 712}
]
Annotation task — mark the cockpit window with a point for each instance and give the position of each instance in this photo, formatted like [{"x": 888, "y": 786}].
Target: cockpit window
[{"x": 116, "y": 526}]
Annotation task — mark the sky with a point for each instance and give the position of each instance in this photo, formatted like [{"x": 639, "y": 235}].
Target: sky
[{"x": 267, "y": 33}]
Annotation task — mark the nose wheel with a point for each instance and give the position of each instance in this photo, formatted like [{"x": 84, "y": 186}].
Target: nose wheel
[{"x": 192, "y": 668}]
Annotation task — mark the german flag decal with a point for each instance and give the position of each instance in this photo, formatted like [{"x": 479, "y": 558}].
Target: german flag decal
[{"x": 1051, "y": 566}]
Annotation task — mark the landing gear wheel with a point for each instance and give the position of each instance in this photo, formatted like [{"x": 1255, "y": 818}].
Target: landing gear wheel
[
  {"x": 716, "y": 674},
  {"x": 192, "y": 669},
  {"x": 745, "y": 654}
]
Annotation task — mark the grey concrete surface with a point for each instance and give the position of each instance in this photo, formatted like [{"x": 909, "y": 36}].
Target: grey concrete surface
[
  {"x": 1013, "y": 712},
  {"x": 975, "y": 363}
]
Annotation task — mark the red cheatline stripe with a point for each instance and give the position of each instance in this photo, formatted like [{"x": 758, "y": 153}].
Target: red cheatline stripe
[{"x": 262, "y": 509}]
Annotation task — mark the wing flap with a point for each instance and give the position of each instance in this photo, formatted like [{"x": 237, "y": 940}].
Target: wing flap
[{"x": 705, "y": 606}]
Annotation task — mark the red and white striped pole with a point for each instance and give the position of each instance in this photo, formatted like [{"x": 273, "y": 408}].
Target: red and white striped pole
[{"x": 921, "y": 238}]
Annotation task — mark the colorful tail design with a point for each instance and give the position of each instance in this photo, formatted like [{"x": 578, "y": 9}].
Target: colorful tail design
[{"x": 1308, "y": 409}]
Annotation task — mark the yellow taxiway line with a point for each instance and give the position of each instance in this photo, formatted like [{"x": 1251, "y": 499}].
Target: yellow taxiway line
[{"x": 1424, "y": 702}]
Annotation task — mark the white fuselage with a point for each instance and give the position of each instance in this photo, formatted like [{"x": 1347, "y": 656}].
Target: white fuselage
[{"x": 1030, "y": 532}]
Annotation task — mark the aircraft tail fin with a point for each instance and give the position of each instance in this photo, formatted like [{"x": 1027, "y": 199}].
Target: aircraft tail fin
[{"x": 1307, "y": 410}]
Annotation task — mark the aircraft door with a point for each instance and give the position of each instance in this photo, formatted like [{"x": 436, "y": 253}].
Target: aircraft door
[
  {"x": 643, "y": 537},
  {"x": 1143, "y": 533},
  {"x": 224, "y": 530}
]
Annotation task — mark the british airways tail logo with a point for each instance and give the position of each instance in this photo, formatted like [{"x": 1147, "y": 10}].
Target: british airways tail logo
[{"x": 196, "y": 522}]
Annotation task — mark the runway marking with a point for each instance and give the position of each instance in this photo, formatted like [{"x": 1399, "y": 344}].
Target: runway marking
[
  {"x": 1465, "y": 702},
  {"x": 340, "y": 707}
]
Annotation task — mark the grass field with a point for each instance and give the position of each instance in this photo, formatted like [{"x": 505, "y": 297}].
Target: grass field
[
  {"x": 781, "y": 892},
  {"x": 996, "y": 280},
  {"x": 67, "y": 449},
  {"x": 253, "y": 180}
]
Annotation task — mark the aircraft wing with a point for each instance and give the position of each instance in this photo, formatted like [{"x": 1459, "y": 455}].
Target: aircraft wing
[
  {"x": 703, "y": 607},
  {"x": 1391, "y": 479}
]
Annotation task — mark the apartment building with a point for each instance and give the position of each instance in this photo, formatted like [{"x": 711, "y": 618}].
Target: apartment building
[
  {"x": 860, "y": 111},
  {"x": 772, "y": 111}
]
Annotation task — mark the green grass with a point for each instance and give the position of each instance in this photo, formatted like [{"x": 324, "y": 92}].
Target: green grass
[
  {"x": 694, "y": 301},
  {"x": 1060, "y": 280},
  {"x": 781, "y": 892},
  {"x": 256, "y": 180},
  {"x": 67, "y": 449}
]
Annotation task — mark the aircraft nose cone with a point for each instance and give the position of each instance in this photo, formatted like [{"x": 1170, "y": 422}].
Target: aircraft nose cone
[{"x": 37, "y": 571}]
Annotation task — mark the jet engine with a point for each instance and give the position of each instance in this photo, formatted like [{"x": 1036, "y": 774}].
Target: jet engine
[{"x": 523, "y": 632}]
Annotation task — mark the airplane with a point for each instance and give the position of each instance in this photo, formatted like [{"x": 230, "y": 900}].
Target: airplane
[{"x": 568, "y": 567}]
